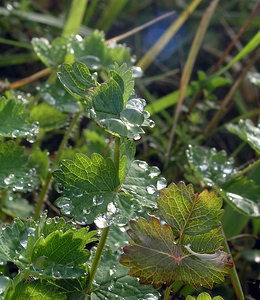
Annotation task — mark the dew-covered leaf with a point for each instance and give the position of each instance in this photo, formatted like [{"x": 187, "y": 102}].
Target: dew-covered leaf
[
  {"x": 51, "y": 54},
  {"x": 15, "y": 172},
  {"x": 113, "y": 281},
  {"x": 213, "y": 167},
  {"x": 76, "y": 79},
  {"x": 17, "y": 206},
  {"x": 248, "y": 132},
  {"x": 62, "y": 255},
  {"x": 15, "y": 120},
  {"x": 157, "y": 257},
  {"x": 243, "y": 193},
  {"x": 143, "y": 182},
  {"x": 96, "y": 54},
  {"x": 48, "y": 117},
  {"x": 112, "y": 109},
  {"x": 34, "y": 289},
  {"x": 55, "y": 95},
  {"x": 88, "y": 186},
  {"x": 49, "y": 248}
]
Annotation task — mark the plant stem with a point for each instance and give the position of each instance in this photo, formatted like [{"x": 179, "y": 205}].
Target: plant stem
[
  {"x": 167, "y": 293},
  {"x": 97, "y": 257},
  {"x": 75, "y": 17},
  {"x": 48, "y": 179},
  {"x": 233, "y": 274}
]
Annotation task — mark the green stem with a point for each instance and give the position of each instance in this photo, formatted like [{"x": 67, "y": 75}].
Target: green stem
[
  {"x": 97, "y": 257},
  {"x": 248, "y": 168},
  {"x": 75, "y": 17},
  {"x": 167, "y": 292},
  {"x": 45, "y": 188},
  {"x": 233, "y": 275}
]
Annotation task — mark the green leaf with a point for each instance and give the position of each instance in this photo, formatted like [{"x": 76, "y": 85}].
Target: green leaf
[
  {"x": 50, "y": 248},
  {"x": 186, "y": 248},
  {"x": 55, "y": 95},
  {"x": 15, "y": 120},
  {"x": 112, "y": 109},
  {"x": 243, "y": 194},
  {"x": 76, "y": 79},
  {"x": 35, "y": 289},
  {"x": 88, "y": 186},
  {"x": 62, "y": 255},
  {"x": 216, "y": 169},
  {"x": 247, "y": 132},
  {"x": 16, "y": 206},
  {"x": 48, "y": 117},
  {"x": 15, "y": 172},
  {"x": 143, "y": 182},
  {"x": 213, "y": 167},
  {"x": 51, "y": 54},
  {"x": 204, "y": 296},
  {"x": 112, "y": 281}
]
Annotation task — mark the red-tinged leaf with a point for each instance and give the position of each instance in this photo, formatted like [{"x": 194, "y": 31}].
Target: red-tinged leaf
[{"x": 187, "y": 212}]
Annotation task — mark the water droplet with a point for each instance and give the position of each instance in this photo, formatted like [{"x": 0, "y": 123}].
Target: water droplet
[
  {"x": 137, "y": 137},
  {"x": 161, "y": 183},
  {"x": 10, "y": 179},
  {"x": 137, "y": 72},
  {"x": 151, "y": 123},
  {"x": 142, "y": 164},
  {"x": 86, "y": 211},
  {"x": 101, "y": 221},
  {"x": 154, "y": 172},
  {"x": 15, "y": 133},
  {"x": 98, "y": 199},
  {"x": 151, "y": 189},
  {"x": 59, "y": 187}
]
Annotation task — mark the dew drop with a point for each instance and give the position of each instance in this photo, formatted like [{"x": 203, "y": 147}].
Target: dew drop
[
  {"x": 143, "y": 165},
  {"x": 151, "y": 189}
]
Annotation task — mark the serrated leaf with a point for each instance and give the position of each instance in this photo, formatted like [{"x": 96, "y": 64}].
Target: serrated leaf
[
  {"x": 62, "y": 255},
  {"x": 50, "y": 248},
  {"x": 187, "y": 212},
  {"x": 55, "y": 95},
  {"x": 143, "y": 182},
  {"x": 247, "y": 132},
  {"x": 89, "y": 186},
  {"x": 48, "y": 117},
  {"x": 35, "y": 289},
  {"x": 213, "y": 167},
  {"x": 111, "y": 109},
  {"x": 15, "y": 120},
  {"x": 76, "y": 79},
  {"x": 157, "y": 258},
  {"x": 51, "y": 54},
  {"x": 204, "y": 296},
  {"x": 15, "y": 172}
]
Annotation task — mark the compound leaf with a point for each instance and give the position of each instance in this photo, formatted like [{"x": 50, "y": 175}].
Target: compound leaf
[
  {"x": 248, "y": 132},
  {"x": 15, "y": 120}
]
